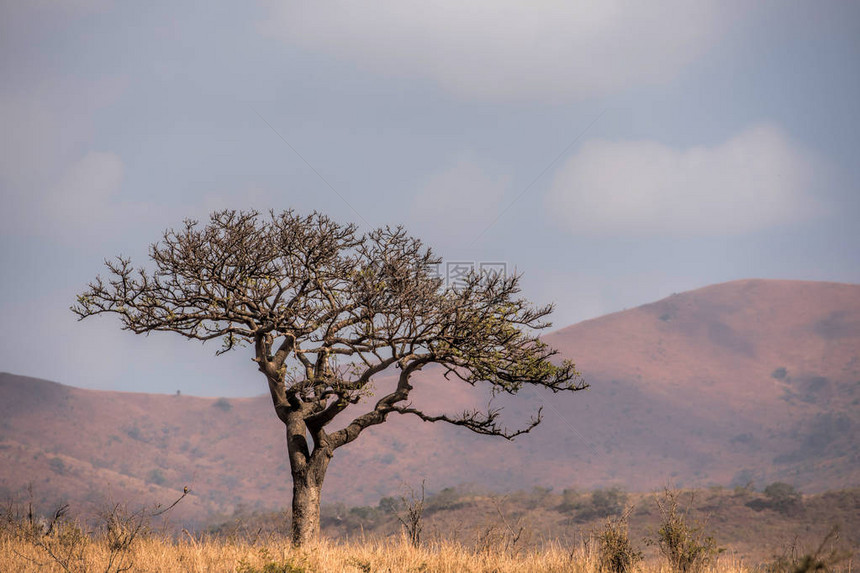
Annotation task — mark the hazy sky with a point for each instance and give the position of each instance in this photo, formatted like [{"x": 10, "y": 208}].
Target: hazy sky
[{"x": 613, "y": 152}]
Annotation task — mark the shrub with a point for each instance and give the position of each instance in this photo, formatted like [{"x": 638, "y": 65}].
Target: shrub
[
  {"x": 390, "y": 505},
  {"x": 537, "y": 497},
  {"x": 57, "y": 466},
  {"x": 615, "y": 552},
  {"x": 448, "y": 498},
  {"x": 411, "y": 519},
  {"x": 608, "y": 502},
  {"x": 120, "y": 530},
  {"x": 134, "y": 433},
  {"x": 817, "y": 561},
  {"x": 223, "y": 404},
  {"x": 783, "y": 497},
  {"x": 269, "y": 565},
  {"x": 682, "y": 542},
  {"x": 570, "y": 501}
]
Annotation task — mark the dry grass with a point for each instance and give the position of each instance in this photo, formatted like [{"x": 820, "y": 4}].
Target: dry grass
[
  {"x": 124, "y": 540},
  {"x": 155, "y": 553}
]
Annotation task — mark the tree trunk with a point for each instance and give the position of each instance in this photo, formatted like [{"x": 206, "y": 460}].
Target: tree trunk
[
  {"x": 308, "y": 471},
  {"x": 305, "y": 526}
]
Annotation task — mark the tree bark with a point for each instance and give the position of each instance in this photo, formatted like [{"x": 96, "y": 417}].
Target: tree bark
[
  {"x": 305, "y": 527},
  {"x": 308, "y": 470}
]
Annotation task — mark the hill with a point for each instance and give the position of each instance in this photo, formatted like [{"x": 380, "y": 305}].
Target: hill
[{"x": 738, "y": 382}]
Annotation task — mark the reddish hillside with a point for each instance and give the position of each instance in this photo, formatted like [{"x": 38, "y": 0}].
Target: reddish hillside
[{"x": 749, "y": 380}]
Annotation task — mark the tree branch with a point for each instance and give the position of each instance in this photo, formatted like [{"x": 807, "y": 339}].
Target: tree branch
[{"x": 479, "y": 422}]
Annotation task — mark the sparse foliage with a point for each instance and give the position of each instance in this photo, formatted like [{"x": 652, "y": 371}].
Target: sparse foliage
[
  {"x": 683, "y": 542},
  {"x": 223, "y": 404},
  {"x": 268, "y": 565},
  {"x": 783, "y": 497},
  {"x": 601, "y": 503},
  {"x": 120, "y": 529},
  {"x": 412, "y": 514},
  {"x": 571, "y": 500},
  {"x": 779, "y": 373},
  {"x": 616, "y": 553},
  {"x": 326, "y": 310},
  {"x": 608, "y": 502},
  {"x": 823, "y": 559},
  {"x": 66, "y": 544},
  {"x": 506, "y": 533},
  {"x": 778, "y": 496}
]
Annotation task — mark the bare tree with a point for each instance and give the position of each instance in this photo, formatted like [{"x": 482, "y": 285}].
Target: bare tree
[
  {"x": 326, "y": 310},
  {"x": 413, "y": 513}
]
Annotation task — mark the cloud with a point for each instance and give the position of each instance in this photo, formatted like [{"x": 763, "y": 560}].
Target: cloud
[
  {"x": 46, "y": 160},
  {"x": 453, "y": 206},
  {"x": 756, "y": 180},
  {"x": 508, "y": 49}
]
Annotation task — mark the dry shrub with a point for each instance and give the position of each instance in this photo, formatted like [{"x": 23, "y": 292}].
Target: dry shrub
[
  {"x": 823, "y": 559},
  {"x": 64, "y": 544},
  {"x": 504, "y": 535},
  {"x": 616, "y": 553},
  {"x": 682, "y": 541},
  {"x": 413, "y": 512}
]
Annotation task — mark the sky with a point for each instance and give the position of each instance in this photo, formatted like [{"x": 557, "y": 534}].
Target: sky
[{"x": 613, "y": 153}]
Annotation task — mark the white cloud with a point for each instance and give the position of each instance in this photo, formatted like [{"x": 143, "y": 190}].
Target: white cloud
[
  {"x": 452, "y": 207},
  {"x": 756, "y": 180},
  {"x": 44, "y": 162},
  {"x": 508, "y": 49}
]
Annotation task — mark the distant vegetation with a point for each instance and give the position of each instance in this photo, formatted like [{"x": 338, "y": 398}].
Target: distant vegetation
[
  {"x": 223, "y": 404},
  {"x": 755, "y": 525}
]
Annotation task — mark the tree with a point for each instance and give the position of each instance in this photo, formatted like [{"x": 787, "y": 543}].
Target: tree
[
  {"x": 326, "y": 310},
  {"x": 783, "y": 497}
]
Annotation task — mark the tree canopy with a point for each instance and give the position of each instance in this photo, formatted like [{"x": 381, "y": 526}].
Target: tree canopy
[{"x": 326, "y": 309}]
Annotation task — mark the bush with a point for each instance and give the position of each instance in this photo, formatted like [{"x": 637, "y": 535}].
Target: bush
[
  {"x": 57, "y": 466},
  {"x": 570, "y": 501},
  {"x": 269, "y": 565},
  {"x": 615, "y": 552},
  {"x": 684, "y": 543},
  {"x": 608, "y": 502},
  {"x": 817, "y": 561},
  {"x": 447, "y": 499},
  {"x": 411, "y": 517},
  {"x": 223, "y": 404},
  {"x": 134, "y": 433},
  {"x": 783, "y": 497},
  {"x": 390, "y": 505}
]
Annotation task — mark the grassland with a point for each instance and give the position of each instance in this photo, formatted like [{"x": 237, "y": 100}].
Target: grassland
[
  {"x": 158, "y": 554},
  {"x": 535, "y": 531},
  {"x": 751, "y": 525}
]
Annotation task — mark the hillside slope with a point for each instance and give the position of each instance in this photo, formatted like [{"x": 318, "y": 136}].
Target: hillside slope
[{"x": 744, "y": 381}]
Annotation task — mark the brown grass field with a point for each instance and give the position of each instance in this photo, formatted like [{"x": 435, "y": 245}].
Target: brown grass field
[
  {"x": 120, "y": 539},
  {"x": 159, "y": 554}
]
